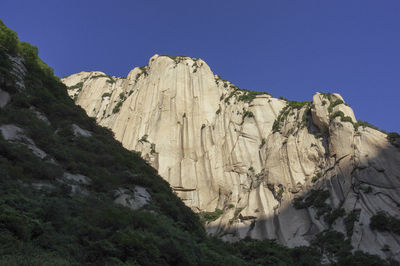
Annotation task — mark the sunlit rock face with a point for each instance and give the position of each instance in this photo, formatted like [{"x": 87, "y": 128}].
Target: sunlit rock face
[{"x": 251, "y": 155}]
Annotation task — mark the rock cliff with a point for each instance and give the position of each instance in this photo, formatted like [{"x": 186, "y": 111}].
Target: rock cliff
[{"x": 264, "y": 167}]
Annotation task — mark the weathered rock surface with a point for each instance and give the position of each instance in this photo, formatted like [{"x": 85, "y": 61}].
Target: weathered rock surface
[
  {"x": 4, "y": 98},
  {"x": 14, "y": 133},
  {"x": 133, "y": 199},
  {"x": 221, "y": 149},
  {"x": 80, "y": 132}
]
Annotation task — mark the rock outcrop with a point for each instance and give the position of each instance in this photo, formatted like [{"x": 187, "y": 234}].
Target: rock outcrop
[{"x": 277, "y": 169}]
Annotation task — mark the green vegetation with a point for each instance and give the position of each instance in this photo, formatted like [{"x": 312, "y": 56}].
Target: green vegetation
[
  {"x": 298, "y": 105},
  {"x": 109, "y": 80},
  {"x": 142, "y": 72},
  {"x": 333, "y": 104},
  {"x": 327, "y": 95},
  {"x": 144, "y": 138},
  {"x": 343, "y": 118},
  {"x": 316, "y": 198},
  {"x": 361, "y": 123},
  {"x": 316, "y": 177},
  {"x": 53, "y": 226},
  {"x": 8, "y": 40},
  {"x": 276, "y": 126},
  {"x": 306, "y": 115},
  {"x": 106, "y": 94},
  {"x": 332, "y": 244},
  {"x": 384, "y": 222},
  {"x": 338, "y": 251},
  {"x": 195, "y": 67},
  {"x": 249, "y": 96},
  {"x": 247, "y": 114},
  {"x": 241, "y": 94},
  {"x": 393, "y": 138},
  {"x": 263, "y": 141},
  {"x": 269, "y": 252},
  {"x": 331, "y": 217},
  {"x": 177, "y": 58},
  {"x": 117, "y": 107},
  {"x": 98, "y": 76},
  {"x": 349, "y": 221},
  {"x": 207, "y": 217},
  {"x": 50, "y": 226},
  {"x": 346, "y": 119},
  {"x": 277, "y": 193},
  {"x": 78, "y": 86},
  {"x": 288, "y": 110}
]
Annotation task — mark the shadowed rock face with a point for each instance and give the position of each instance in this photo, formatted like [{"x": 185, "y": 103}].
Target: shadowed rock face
[{"x": 220, "y": 149}]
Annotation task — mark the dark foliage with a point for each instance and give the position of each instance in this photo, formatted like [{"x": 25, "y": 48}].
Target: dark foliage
[{"x": 384, "y": 222}]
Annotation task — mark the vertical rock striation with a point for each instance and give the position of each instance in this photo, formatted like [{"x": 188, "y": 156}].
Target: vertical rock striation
[{"x": 251, "y": 155}]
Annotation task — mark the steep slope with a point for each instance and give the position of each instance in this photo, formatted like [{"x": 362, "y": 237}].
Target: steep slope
[{"x": 253, "y": 165}]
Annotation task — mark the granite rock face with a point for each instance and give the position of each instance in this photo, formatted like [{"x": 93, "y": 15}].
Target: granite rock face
[{"x": 251, "y": 156}]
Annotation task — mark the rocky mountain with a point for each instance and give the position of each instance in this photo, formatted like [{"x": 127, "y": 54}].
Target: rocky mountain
[{"x": 250, "y": 164}]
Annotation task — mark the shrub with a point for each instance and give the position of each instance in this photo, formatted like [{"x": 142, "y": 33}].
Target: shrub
[
  {"x": 384, "y": 222},
  {"x": 249, "y": 96},
  {"x": 393, "y": 137},
  {"x": 333, "y": 104},
  {"x": 316, "y": 177},
  {"x": 331, "y": 217},
  {"x": 262, "y": 142},
  {"x": 208, "y": 217},
  {"x": 349, "y": 221},
  {"x": 8, "y": 39},
  {"x": 248, "y": 114},
  {"x": 144, "y": 138},
  {"x": 117, "y": 107},
  {"x": 298, "y": 105},
  {"x": 78, "y": 86},
  {"x": 332, "y": 243},
  {"x": 361, "y": 123},
  {"x": 275, "y": 126},
  {"x": 315, "y": 198},
  {"x": 342, "y": 117},
  {"x": 347, "y": 119},
  {"x": 327, "y": 95},
  {"x": 336, "y": 114}
]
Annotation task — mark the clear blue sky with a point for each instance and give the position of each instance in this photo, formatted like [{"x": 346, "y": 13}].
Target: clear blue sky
[{"x": 288, "y": 48}]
